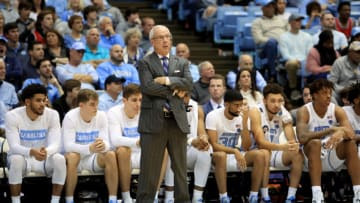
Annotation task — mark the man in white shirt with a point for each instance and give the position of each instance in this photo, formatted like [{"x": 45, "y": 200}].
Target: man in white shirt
[
  {"x": 272, "y": 116},
  {"x": 225, "y": 127},
  {"x": 294, "y": 47},
  {"x": 85, "y": 135},
  {"x": 34, "y": 136}
]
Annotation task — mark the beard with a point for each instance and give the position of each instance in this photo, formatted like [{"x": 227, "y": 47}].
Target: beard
[
  {"x": 233, "y": 113},
  {"x": 39, "y": 111}
]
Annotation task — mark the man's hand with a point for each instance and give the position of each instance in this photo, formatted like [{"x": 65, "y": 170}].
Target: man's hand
[
  {"x": 160, "y": 80},
  {"x": 179, "y": 93},
  {"x": 241, "y": 162},
  {"x": 39, "y": 154},
  {"x": 201, "y": 143},
  {"x": 335, "y": 139},
  {"x": 291, "y": 146},
  {"x": 97, "y": 146}
]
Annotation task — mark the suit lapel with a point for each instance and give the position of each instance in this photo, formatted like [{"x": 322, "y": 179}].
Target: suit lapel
[{"x": 172, "y": 64}]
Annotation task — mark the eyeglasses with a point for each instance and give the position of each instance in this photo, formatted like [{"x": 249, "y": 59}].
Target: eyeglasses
[{"x": 162, "y": 38}]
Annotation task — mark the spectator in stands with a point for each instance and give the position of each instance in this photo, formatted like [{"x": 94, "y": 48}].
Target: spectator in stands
[
  {"x": 306, "y": 96},
  {"x": 94, "y": 52},
  {"x": 355, "y": 36},
  {"x": 24, "y": 22},
  {"x": 353, "y": 111},
  {"x": 86, "y": 143},
  {"x": 55, "y": 48},
  {"x": 9, "y": 11},
  {"x": 116, "y": 66},
  {"x": 132, "y": 20},
  {"x": 321, "y": 57},
  {"x": 281, "y": 10},
  {"x": 246, "y": 86},
  {"x": 328, "y": 23},
  {"x": 182, "y": 50},
  {"x": 34, "y": 136},
  {"x": 74, "y": 7},
  {"x": 147, "y": 23},
  {"x": 246, "y": 61},
  {"x": 83, "y": 72},
  {"x": 47, "y": 79},
  {"x": 266, "y": 31},
  {"x": 14, "y": 71},
  {"x": 108, "y": 37},
  {"x": 343, "y": 23},
  {"x": 326, "y": 133},
  {"x": 59, "y": 5},
  {"x": 132, "y": 52},
  {"x": 225, "y": 126},
  {"x": 313, "y": 12},
  {"x": 7, "y": 90},
  {"x": 294, "y": 47},
  {"x": 59, "y": 25},
  {"x": 345, "y": 70},
  {"x": 90, "y": 17},
  {"x": 36, "y": 52},
  {"x": 44, "y": 23},
  {"x": 217, "y": 89},
  {"x": 113, "y": 93},
  {"x": 2, "y": 24},
  {"x": 109, "y": 11},
  {"x": 76, "y": 25},
  {"x": 198, "y": 153},
  {"x": 200, "y": 92},
  {"x": 67, "y": 101},
  {"x": 14, "y": 47},
  {"x": 273, "y": 115},
  {"x": 36, "y": 7}
]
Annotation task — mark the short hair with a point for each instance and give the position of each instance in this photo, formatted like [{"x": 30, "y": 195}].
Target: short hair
[
  {"x": 86, "y": 95},
  {"x": 342, "y": 4},
  {"x": 219, "y": 77},
  {"x": 131, "y": 89},
  {"x": 51, "y": 9},
  {"x": 89, "y": 9},
  {"x": 10, "y": 26},
  {"x": 32, "y": 44},
  {"x": 24, "y": 5},
  {"x": 129, "y": 11},
  {"x": 232, "y": 95},
  {"x": 325, "y": 13},
  {"x": 273, "y": 88},
  {"x": 29, "y": 91},
  {"x": 70, "y": 84},
  {"x": 320, "y": 84},
  {"x": 130, "y": 32},
  {"x": 202, "y": 64},
  {"x": 152, "y": 31},
  {"x": 354, "y": 92},
  {"x": 72, "y": 20},
  {"x": 312, "y": 6},
  {"x": 39, "y": 62}
]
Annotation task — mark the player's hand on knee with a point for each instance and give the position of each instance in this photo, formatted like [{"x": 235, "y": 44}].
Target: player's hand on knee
[
  {"x": 293, "y": 146},
  {"x": 241, "y": 162},
  {"x": 38, "y": 154},
  {"x": 335, "y": 139}
]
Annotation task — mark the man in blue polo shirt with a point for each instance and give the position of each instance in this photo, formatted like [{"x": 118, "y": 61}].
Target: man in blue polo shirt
[
  {"x": 116, "y": 66},
  {"x": 113, "y": 93},
  {"x": 94, "y": 52},
  {"x": 7, "y": 90}
]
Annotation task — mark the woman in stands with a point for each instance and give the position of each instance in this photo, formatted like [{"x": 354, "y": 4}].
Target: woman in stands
[
  {"x": 55, "y": 49},
  {"x": 132, "y": 52},
  {"x": 313, "y": 12},
  {"x": 245, "y": 83},
  {"x": 74, "y": 7},
  {"x": 321, "y": 57}
]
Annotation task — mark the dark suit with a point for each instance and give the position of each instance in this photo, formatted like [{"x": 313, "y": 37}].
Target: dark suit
[
  {"x": 157, "y": 132},
  {"x": 207, "y": 107}
]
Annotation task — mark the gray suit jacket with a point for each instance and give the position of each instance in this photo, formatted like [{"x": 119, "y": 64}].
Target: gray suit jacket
[{"x": 155, "y": 95}]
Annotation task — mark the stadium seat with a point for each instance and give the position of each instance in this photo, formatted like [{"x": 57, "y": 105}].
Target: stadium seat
[
  {"x": 226, "y": 22},
  {"x": 243, "y": 40},
  {"x": 200, "y": 23},
  {"x": 182, "y": 12}
]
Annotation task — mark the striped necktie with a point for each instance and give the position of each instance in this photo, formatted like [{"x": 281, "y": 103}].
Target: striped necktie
[{"x": 165, "y": 65}]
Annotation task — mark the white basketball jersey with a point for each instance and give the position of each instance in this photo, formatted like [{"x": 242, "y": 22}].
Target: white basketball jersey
[
  {"x": 353, "y": 118},
  {"x": 272, "y": 129},
  {"x": 192, "y": 117},
  {"x": 317, "y": 124}
]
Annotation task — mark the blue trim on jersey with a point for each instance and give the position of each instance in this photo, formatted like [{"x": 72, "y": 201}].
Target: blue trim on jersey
[
  {"x": 31, "y": 135},
  {"x": 131, "y": 132},
  {"x": 86, "y": 137}
]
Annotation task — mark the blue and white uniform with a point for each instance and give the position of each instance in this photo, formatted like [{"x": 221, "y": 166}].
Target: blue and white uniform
[
  {"x": 330, "y": 160},
  {"x": 78, "y": 135},
  {"x": 354, "y": 120}
]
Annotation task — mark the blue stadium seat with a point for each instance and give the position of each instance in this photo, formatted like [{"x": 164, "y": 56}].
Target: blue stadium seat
[
  {"x": 182, "y": 12},
  {"x": 355, "y": 6},
  {"x": 292, "y": 10},
  {"x": 200, "y": 23},
  {"x": 355, "y": 14},
  {"x": 243, "y": 40},
  {"x": 225, "y": 25}
]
